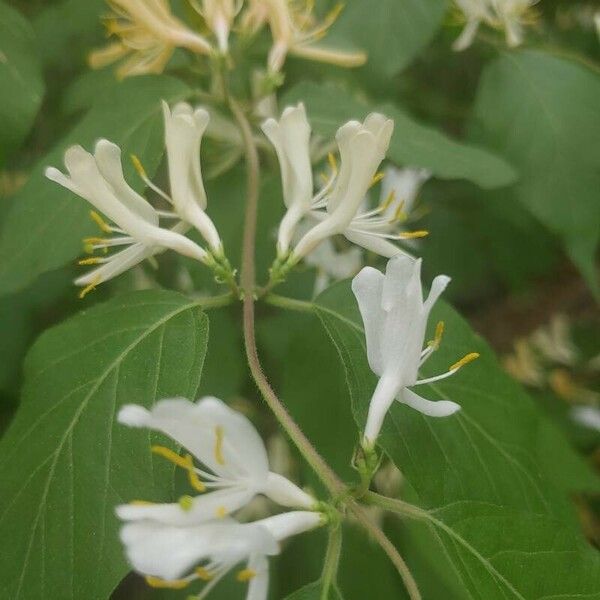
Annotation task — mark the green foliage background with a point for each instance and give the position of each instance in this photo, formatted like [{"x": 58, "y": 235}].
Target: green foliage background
[{"x": 512, "y": 138}]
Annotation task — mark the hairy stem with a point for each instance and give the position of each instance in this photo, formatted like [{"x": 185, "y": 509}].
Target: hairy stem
[
  {"x": 397, "y": 506},
  {"x": 248, "y": 284},
  {"x": 332, "y": 559},
  {"x": 209, "y": 302}
]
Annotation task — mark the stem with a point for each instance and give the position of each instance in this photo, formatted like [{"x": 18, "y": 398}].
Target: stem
[
  {"x": 215, "y": 301},
  {"x": 397, "y": 506},
  {"x": 332, "y": 559},
  {"x": 248, "y": 282},
  {"x": 289, "y": 303}
]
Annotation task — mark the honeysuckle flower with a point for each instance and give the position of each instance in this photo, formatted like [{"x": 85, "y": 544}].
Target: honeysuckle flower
[
  {"x": 148, "y": 34},
  {"x": 175, "y": 557},
  {"x": 234, "y": 462},
  {"x": 509, "y": 15},
  {"x": 219, "y": 16},
  {"x": 99, "y": 179},
  {"x": 362, "y": 147},
  {"x": 395, "y": 319},
  {"x": 290, "y": 137},
  {"x": 295, "y": 32}
]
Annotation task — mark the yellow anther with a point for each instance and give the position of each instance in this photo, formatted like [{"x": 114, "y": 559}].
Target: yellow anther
[
  {"x": 88, "y": 288},
  {"x": 245, "y": 575},
  {"x": 166, "y": 584},
  {"x": 324, "y": 178},
  {"x": 388, "y": 201},
  {"x": 377, "y": 178},
  {"x": 219, "y": 433},
  {"x": 221, "y": 512},
  {"x": 411, "y": 235},
  {"x": 141, "y": 503},
  {"x": 332, "y": 161},
  {"x": 102, "y": 224},
  {"x": 137, "y": 164},
  {"x": 185, "y": 462},
  {"x": 465, "y": 360},
  {"x": 186, "y": 503},
  {"x": 204, "y": 574},
  {"x": 437, "y": 338},
  {"x": 90, "y": 261}
]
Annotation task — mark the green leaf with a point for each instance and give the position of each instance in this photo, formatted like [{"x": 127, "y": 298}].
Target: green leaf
[
  {"x": 541, "y": 112},
  {"x": 66, "y": 463},
  {"x": 21, "y": 83},
  {"x": 393, "y": 34},
  {"x": 314, "y": 591},
  {"x": 413, "y": 144},
  {"x": 44, "y": 229},
  {"x": 503, "y": 524}
]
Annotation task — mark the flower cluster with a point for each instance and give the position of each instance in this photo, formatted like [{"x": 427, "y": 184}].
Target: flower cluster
[
  {"x": 147, "y": 33},
  {"x": 196, "y": 540},
  {"x": 338, "y": 208},
  {"x": 137, "y": 231},
  {"x": 509, "y": 15}
]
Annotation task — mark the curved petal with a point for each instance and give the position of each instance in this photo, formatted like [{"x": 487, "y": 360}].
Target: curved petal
[
  {"x": 290, "y": 523},
  {"x": 203, "y": 508},
  {"x": 284, "y": 492},
  {"x": 367, "y": 287},
  {"x": 440, "y": 408},
  {"x": 373, "y": 243}
]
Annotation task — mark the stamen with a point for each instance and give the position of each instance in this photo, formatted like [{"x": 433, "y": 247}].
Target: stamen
[
  {"x": 465, "y": 360},
  {"x": 185, "y": 462},
  {"x": 221, "y": 512},
  {"x": 186, "y": 503},
  {"x": 90, "y": 261},
  {"x": 137, "y": 165},
  {"x": 377, "y": 178},
  {"x": 164, "y": 584},
  {"x": 245, "y": 575},
  {"x": 88, "y": 288},
  {"x": 400, "y": 215},
  {"x": 219, "y": 433},
  {"x": 411, "y": 235},
  {"x": 439, "y": 332},
  {"x": 388, "y": 201},
  {"x": 102, "y": 224},
  {"x": 204, "y": 574}
]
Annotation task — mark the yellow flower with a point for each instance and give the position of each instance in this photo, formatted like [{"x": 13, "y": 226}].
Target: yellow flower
[
  {"x": 295, "y": 32},
  {"x": 148, "y": 34}
]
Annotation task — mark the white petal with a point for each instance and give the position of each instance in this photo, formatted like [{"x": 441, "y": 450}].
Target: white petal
[
  {"x": 205, "y": 507},
  {"x": 284, "y": 492},
  {"x": 588, "y": 416},
  {"x": 465, "y": 39},
  {"x": 291, "y": 523},
  {"x": 108, "y": 160},
  {"x": 367, "y": 287},
  {"x": 134, "y": 415},
  {"x": 383, "y": 397},
  {"x": 258, "y": 588},
  {"x": 440, "y": 408},
  {"x": 405, "y": 185},
  {"x": 373, "y": 243},
  {"x": 439, "y": 284}
]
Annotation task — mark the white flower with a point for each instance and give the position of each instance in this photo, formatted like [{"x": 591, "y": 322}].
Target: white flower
[
  {"x": 235, "y": 466},
  {"x": 149, "y": 34},
  {"x": 290, "y": 137},
  {"x": 362, "y": 147},
  {"x": 294, "y": 31},
  {"x": 175, "y": 557},
  {"x": 99, "y": 180},
  {"x": 509, "y": 15},
  {"x": 395, "y": 319}
]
